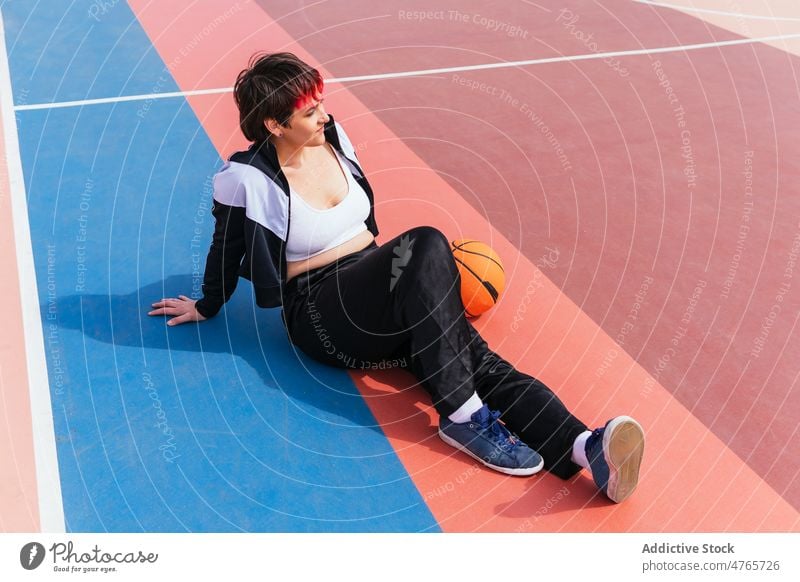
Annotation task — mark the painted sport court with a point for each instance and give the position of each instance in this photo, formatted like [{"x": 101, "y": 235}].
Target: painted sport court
[{"x": 634, "y": 163}]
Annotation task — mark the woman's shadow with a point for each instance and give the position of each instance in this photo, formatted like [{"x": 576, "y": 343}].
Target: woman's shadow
[{"x": 256, "y": 336}]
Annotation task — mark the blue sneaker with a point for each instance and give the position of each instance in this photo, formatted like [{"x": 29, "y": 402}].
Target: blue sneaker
[
  {"x": 487, "y": 439},
  {"x": 615, "y": 455}
]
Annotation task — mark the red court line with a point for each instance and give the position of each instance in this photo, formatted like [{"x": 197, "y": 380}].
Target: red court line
[
  {"x": 566, "y": 352},
  {"x": 19, "y": 501}
]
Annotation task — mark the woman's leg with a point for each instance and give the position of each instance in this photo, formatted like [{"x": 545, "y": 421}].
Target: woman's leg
[
  {"x": 529, "y": 408},
  {"x": 451, "y": 350}
]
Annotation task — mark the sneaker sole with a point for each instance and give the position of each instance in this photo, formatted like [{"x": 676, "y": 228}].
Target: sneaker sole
[
  {"x": 508, "y": 471},
  {"x": 623, "y": 446}
]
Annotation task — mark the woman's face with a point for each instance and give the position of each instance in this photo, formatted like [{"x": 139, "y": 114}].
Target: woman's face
[{"x": 307, "y": 124}]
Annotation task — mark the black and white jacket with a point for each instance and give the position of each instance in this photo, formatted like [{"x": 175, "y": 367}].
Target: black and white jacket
[{"x": 252, "y": 210}]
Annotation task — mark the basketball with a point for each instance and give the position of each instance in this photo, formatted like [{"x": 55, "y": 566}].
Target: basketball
[{"x": 482, "y": 275}]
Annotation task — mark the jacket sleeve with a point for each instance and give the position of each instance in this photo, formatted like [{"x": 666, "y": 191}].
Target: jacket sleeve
[{"x": 224, "y": 258}]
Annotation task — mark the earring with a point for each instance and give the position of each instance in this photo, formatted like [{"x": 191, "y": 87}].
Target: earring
[{"x": 280, "y": 135}]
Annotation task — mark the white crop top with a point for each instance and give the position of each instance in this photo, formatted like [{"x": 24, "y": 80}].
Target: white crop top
[{"x": 313, "y": 231}]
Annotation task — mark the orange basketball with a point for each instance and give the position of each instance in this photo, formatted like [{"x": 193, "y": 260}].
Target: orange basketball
[{"x": 482, "y": 275}]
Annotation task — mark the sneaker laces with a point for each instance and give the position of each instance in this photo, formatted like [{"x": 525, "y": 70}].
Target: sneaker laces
[{"x": 508, "y": 441}]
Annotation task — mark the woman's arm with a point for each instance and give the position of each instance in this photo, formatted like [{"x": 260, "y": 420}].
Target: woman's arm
[
  {"x": 224, "y": 258},
  {"x": 222, "y": 263}
]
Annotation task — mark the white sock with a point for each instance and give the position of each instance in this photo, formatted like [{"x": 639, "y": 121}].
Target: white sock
[
  {"x": 579, "y": 449},
  {"x": 466, "y": 410}
]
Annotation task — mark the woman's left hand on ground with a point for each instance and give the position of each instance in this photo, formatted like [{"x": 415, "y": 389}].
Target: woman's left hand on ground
[{"x": 182, "y": 308}]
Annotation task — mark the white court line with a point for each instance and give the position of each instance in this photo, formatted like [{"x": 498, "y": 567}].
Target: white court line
[
  {"x": 719, "y": 12},
  {"x": 124, "y": 98},
  {"x": 48, "y": 480},
  {"x": 422, "y": 72}
]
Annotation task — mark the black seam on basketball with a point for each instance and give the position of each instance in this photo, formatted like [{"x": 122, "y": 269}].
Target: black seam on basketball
[
  {"x": 486, "y": 285},
  {"x": 492, "y": 291},
  {"x": 458, "y": 247},
  {"x": 481, "y": 255}
]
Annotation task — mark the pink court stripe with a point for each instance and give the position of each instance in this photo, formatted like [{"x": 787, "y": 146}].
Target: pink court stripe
[
  {"x": 686, "y": 465},
  {"x": 19, "y": 504}
]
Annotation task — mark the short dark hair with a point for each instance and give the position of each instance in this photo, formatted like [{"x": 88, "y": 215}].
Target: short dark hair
[{"x": 272, "y": 86}]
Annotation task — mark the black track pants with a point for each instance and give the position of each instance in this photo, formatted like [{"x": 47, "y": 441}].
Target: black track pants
[{"x": 399, "y": 304}]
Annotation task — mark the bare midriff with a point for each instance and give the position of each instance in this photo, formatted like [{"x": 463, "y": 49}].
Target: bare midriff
[{"x": 355, "y": 244}]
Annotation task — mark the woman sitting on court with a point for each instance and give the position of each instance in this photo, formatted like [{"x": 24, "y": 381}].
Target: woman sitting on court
[{"x": 295, "y": 215}]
